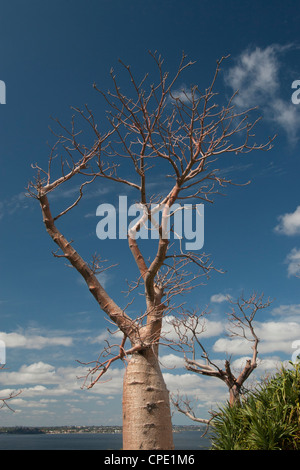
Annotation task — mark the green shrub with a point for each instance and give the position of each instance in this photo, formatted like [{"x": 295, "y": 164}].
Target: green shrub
[{"x": 268, "y": 418}]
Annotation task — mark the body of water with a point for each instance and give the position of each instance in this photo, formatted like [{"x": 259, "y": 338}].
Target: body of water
[{"x": 187, "y": 440}]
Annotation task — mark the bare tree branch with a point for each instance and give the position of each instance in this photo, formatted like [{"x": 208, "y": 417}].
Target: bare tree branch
[{"x": 11, "y": 396}]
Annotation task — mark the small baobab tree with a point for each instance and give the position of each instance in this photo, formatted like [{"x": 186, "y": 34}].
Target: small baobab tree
[
  {"x": 153, "y": 133},
  {"x": 197, "y": 358}
]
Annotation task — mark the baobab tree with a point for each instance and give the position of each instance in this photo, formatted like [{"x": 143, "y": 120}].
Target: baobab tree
[
  {"x": 197, "y": 359},
  {"x": 177, "y": 138}
]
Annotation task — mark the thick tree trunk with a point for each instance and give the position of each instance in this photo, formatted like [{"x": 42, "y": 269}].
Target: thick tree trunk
[
  {"x": 146, "y": 408},
  {"x": 234, "y": 395}
]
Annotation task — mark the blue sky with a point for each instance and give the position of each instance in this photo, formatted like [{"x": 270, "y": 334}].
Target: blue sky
[{"x": 50, "y": 54}]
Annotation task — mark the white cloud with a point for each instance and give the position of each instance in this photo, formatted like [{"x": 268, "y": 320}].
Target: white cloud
[
  {"x": 183, "y": 94},
  {"x": 30, "y": 341},
  {"x": 36, "y": 373},
  {"x": 113, "y": 383},
  {"x": 43, "y": 403},
  {"x": 46, "y": 388},
  {"x": 288, "y": 312},
  {"x": 104, "y": 278},
  {"x": 219, "y": 298},
  {"x": 190, "y": 382},
  {"x": 14, "y": 203},
  {"x": 256, "y": 77},
  {"x": 274, "y": 336},
  {"x": 293, "y": 262},
  {"x": 264, "y": 364},
  {"x": 206, "y": 328},
  {"x": 286, "y": 115},
  {"x": 277, "y": 331},
  {"x": 50, "y": 382},
  {"x": 289, "y": 223},
  {"x": 34, "y": 391},
  {"x": 171, "y": 361},
  {"x": 270, "y": 364},
  {"x": 206, "y": 391},
  {"x": 231, "y": 346},
  {"x": 105, "y": 335},
  {"x": 63, "y": 192}
]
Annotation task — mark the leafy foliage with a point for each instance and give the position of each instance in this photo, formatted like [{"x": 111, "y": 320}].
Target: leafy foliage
[{"x": 268, "y": 418}]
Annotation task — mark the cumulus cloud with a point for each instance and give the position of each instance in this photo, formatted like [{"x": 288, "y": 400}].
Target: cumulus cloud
[
  {"x": 113, "y": 383},
  {"x": 270, "y": 363},
  {"x": 31, "y": 341},
  {"x": 104, "y": 336},
  {"x": 207, "y": 328},
  {"x": 289, "y": 223},
  {"x": 286, "y": 115},
  {"x": 231, "y": 346},
  {"x": 192, "y": 382},
  {"x": 104, "y": 278},
  {"x": 45, "y": 387},
  {"x": 38, "y": 372},
  {"x": 287, "y": 312},
  {"x": 256, "y": 76},
  {"x": 274, "y": 336},
  {"x": 183, "y": 94},
  {"x": 219, "y": 298},
  {"x": 277, "y": 331},
  {"x": 293, "y": 262},
  {"x": 205, "y": 390},
  {"x": 48, "y": 381},
  {"x": 171, "y": 361}
]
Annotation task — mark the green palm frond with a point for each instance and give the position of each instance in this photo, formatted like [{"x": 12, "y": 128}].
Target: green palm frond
[{"x": 267, "y": 419}]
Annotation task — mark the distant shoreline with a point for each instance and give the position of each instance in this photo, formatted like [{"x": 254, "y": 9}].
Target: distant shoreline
[{"x": 82, "y": 429}]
